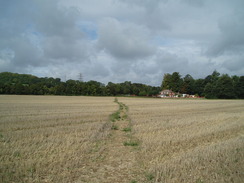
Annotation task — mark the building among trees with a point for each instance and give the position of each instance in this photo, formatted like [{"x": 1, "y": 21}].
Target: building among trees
[{"x": 167, "y": 94}]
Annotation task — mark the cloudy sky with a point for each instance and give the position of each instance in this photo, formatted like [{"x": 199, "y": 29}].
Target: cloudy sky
[{"x": 121, "y": 40}]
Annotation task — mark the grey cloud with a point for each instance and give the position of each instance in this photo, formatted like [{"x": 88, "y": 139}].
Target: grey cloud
[
  {"x": 148, "y": 13},
  {"x": 96, "y": 70},
  {"x": 137, "y": 40},
  {"x": 14, "y": 18},
  {"x": 61, "y": 37},
  {"x": 156, "y": 21},
  {"x": 126, "y": 41},
  {"x": 53, "y": 20},
  {"x": 25, "y": 53},
  {"x": 171, "y": 62},
  {"x": 57, "y": 48},
  {"x": 234, "y": 65},
  {"x": 152, "y": 5},
  {"x": 231, "y": 38},
  {"x": 147, "y": 4},
  {"x": 120, "y": 67},
  {"x": 54, "y": 27},
  {"x": 198, "y": 3},
  {"x": 150, "y": 70}
]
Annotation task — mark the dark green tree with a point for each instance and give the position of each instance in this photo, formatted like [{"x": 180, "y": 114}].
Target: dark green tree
[
  {"x": 225, "y": 88},
  {"x": 111, "y": 89},
  {"x": 210, "y": 82},
  {"x": 240, "y": 88},
  {"x": 176, "y": 82},
  {"x": 166, "y": 83},
  {"x": 188, "y": 85},
  {"x": 199, "y": 87},
  {"x": 210, "y": 91}
]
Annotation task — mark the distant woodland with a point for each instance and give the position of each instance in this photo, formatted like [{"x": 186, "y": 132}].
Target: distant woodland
[
  {"x": 213, "y": 86},
  {"x": 24, "y": 84}
]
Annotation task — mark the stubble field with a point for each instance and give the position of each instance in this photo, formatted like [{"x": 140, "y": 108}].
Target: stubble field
[{"x": 101, "y": 139}]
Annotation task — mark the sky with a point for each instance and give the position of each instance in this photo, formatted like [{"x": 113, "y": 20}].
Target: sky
[{"x": 121, "y": 40}]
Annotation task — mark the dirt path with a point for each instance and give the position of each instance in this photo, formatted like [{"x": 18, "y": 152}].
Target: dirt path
[{"x": 114, "y": 159}]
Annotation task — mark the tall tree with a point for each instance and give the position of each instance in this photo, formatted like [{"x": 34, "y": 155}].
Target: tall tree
[
  {"x": 210, "y": 91},
  {"x": 239, "y": 87},
  {"x": 224, "y": 87},
  {"x": 166, "y": 83},
  {"x": 199, "y": 87},
  {"x": 176, "y": 82},
  {"x": 188, "y": 85}
]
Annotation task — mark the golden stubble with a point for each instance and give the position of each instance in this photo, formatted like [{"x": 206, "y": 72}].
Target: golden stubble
[
  {"x": 70, "y": 139},
  {"x": 190, "y": 140},
  {"x": 46, "y": 138}
]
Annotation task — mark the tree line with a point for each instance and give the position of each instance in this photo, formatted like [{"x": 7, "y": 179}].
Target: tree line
[
  {"x": 24, "y": 84},
  {"x": 214, "y": 86}
]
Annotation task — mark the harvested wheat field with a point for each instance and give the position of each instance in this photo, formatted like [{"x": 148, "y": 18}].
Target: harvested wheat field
[{"x": 129, "y": 140}]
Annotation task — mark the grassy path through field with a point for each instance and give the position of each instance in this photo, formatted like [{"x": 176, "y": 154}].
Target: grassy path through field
[{"x": 115, "y": 159}]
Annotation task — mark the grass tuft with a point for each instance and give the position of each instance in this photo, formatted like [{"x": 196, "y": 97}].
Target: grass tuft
[
  {"x": 114, "y": 127},
  {"x": 150, "y": 176},
  {"x": 128, "y": 129},
  {"x": 16, "y": 154},
  {"x": 131, "y": 143},
  {"x": 199, "y": 181},
  {"x": 115, "y": 116}
]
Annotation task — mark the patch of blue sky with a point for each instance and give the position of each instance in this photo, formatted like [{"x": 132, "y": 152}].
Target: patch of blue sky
[
  {"x": 33, "y": 35},
  {"x": 159, "y": 41},
  {"x": 89, "y": 29}
]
